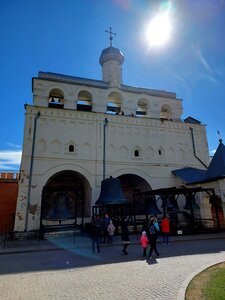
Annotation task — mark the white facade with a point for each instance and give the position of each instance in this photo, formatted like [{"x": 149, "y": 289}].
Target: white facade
[{"x": 146, "y": 139}]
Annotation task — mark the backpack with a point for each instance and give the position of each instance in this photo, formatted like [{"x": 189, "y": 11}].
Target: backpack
[
  {"x": 152, "y": 229},
  {"x": 156, "y": 224}
]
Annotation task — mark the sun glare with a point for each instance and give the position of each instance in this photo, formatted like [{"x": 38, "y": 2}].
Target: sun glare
[{"x": 159, "y": 29}]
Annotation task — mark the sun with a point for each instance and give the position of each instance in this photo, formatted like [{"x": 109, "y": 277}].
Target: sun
[{"x": 159, "y": 30}]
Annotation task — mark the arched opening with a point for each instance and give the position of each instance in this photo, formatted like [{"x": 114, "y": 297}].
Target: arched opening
[
  {"x": 142, "y": 107},
  {"x": 165, "y": 112},
  {"x": 136, "y": 153},
  {"x": 114, "y": 103},
  {"x": 84, "y": 102},
  {"x": 71, "y": 148},
  {"x": 133, "y": 184},
  {"x": 65, "y": 200},
  {"x": 55, "y": 99}
]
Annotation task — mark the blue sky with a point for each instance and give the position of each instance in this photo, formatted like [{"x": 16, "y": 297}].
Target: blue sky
[{"x": 67, "y": 37}]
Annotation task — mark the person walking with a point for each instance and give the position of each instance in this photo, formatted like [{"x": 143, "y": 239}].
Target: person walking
[
  {"x": 125, "y": 236},
  {"x": 165, "y": 228},
  {"x": 144, "y": 242},
  {"x": 111, "y": 229},
  {"x": 152, "y": 239},
  {"x": 105, "y": 224},
  {"x": 156, "y": 224},
  {"x": 95, "y": 231}
]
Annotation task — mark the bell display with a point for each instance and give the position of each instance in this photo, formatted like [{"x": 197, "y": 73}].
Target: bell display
[
  {"x": 152, "y": 208},
  {"x": 60, "y": 210},
  {"x": 169, "y": 202},
  {"x": 190, "y": 201},
  {"x": 111, "y": 192}
]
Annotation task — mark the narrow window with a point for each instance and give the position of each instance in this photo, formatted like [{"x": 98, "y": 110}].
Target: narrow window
[
  {"x": 160, "y": 152},
  {"x": 136, "y": 153},
  {"x": 71, "y": 148}
]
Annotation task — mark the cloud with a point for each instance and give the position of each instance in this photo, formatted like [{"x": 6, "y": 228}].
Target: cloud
[
  {"x": 10, "y": 160},
  {"x": 212, "y": 152},
  {"x": 208, "y": 77},
  {"x": 202, "y": 59},
  {"x": 14, "y": 146},
  {"x": 209, "y": 73}
]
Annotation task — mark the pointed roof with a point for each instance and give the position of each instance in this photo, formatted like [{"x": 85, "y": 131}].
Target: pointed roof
[
  {"x": 189, "y": 175},
  {"x": 215, "y": 171},
  {"x": 216, "y": 168}
]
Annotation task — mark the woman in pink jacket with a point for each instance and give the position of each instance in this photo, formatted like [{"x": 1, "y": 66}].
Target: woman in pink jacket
[{"x": 144, "y": 242}]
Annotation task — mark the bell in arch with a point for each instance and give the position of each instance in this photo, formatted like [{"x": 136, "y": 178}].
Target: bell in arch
[
  {"x": 191, "y": 201},
  {"x": 170, "y": 202},
  {"x": 111, "y": 192},
  {"x": 152, "y": 208},
  {"x": 61, "y": 210}
]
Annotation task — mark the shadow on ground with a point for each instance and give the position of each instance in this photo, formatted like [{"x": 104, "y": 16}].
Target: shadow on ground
[{"x": 67, "y": 253}]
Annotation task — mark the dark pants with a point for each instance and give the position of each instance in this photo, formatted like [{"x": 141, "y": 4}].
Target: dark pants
[
  {"x": 153, "y": 245},
  {"x": 110, "y": 238},
  {"x": 105, "y": 235},
  {"x": 95, "y": 241},
  {"x": 125, "y": 245},
  {"x": 144, "y": 251},
  {"x": 165, "y": 238}
]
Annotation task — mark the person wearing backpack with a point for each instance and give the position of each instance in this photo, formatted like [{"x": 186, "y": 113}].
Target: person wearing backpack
[
  {"x": 156, "y": 224},
  {"x": 152, "y": 239}
]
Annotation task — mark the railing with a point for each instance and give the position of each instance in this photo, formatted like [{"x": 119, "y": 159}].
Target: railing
[{"x": 6, "y": 227}]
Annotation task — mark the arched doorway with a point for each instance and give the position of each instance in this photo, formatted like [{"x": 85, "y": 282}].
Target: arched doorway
[
  {"x": 132, "y": 184},
  {"x": 66, "y": 199}
]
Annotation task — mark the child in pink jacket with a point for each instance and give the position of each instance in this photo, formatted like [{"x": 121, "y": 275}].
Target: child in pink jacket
[{"x": 144, "y": 242}]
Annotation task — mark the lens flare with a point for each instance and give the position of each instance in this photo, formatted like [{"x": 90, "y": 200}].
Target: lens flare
[{"x": 159, "y": 30}]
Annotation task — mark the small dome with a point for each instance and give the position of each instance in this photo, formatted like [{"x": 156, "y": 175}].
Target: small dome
[{"x": 111, "y": 53}]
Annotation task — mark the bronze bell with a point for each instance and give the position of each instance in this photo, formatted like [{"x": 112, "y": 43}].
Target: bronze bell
[
  {"x": 190, "y": 201},
  {"x": 111, "y": 192},
  {"x": 152, "y": 208},
  {"x": 170, "y": 202},
  {"x": 61, "y": 210}
]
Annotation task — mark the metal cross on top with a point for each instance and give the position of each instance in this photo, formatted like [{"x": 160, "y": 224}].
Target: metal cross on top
[{"x": 110, "y": 35}]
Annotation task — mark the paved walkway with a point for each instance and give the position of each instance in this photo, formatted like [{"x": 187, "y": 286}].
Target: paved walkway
[{"x": 64, "y": 269}]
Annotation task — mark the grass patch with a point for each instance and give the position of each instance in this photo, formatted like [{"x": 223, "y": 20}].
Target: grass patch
[{"x": 208, "y": 285}]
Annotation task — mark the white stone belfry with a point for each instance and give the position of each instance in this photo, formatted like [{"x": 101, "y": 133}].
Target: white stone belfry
[{"x": 69, "y": 147}]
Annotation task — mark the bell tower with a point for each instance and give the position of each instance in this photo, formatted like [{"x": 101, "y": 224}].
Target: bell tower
[{"x": 111, "y": 60}]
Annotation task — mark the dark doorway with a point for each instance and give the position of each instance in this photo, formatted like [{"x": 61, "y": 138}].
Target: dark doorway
[
  {"x": 132, "y": 184},
  {"x": 65, "y": 201}
]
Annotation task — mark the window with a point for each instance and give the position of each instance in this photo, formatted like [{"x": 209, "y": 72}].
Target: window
[
  {"x": 142, "y": 107},
  {"x": 114, "y": 103},
  {"x": 165, "y": 112},
  {"x": 56, "y": 99},
  {"x": 71, "y": 148},
  {"x": 84, "y": 102},
  {"x": 136, "y": 153}
]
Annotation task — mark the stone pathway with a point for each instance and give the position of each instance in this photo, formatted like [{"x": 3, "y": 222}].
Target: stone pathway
[{"x": 76, "y": 273}]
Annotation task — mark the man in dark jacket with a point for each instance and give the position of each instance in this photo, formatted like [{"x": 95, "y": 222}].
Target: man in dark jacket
[{"x": 95, "y": 231}]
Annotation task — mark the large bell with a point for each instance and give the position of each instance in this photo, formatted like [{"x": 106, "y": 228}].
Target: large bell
[
  {"x": 111, "y": 192},
  {"x": 169, "y": 202},
  {"x": 61, "y": 210},
  {"x": 190, "y": 201},
  {"x": 152, "y": 208}
]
